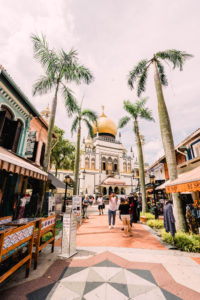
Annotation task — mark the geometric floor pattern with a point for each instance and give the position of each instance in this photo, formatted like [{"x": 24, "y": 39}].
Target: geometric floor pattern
[{"x": 107, "y": 280}]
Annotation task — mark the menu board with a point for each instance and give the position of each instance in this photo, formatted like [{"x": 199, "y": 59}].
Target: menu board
[
  {"x": 77, "y": 207},
  {"x": 69, "y": 235}
]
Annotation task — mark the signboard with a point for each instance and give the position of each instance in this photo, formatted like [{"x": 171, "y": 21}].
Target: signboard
[
  {"x": 69, "y": 235},
  {"x": 31, "y": 139},
  {"x": 77, "y": 207},
  {"x": 51, "y": 205}
]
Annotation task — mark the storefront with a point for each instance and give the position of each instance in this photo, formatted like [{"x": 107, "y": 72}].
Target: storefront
[
  {"x": 189, "y": 182},
  {"x": 19, "y": 179}
]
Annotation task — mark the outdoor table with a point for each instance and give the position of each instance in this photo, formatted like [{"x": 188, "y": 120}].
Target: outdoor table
[
  {"x": 22, "y": 221},
  {"x": 4, "y": 228}
]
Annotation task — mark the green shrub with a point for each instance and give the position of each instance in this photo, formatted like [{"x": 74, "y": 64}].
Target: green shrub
[
  {"x": 155, "y": 223},
  {"x": 148, "y": 215},
  {"x": 184, "y": 241}
]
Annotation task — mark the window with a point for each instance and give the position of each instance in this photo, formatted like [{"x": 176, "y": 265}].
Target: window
[
  {"x": 129, "y": 167},
  {"x": 110, "y": 164},
  {"x": 124, "y": 167},
  {"x": 10, "y": 130},
  {"x": 103, "y": 163},
  {"x": 115, "y": 165},
  {"x": 93, "y": 163},
  {"x": 42, "y": 155},
  {"x": 86, "y": 163},
  {"x": 196, "y": 148}
]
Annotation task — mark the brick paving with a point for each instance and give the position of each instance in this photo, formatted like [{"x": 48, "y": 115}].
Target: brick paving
[{"x": 95, "y": 233}]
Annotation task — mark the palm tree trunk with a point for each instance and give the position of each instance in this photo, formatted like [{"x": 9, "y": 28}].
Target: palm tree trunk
[
  {"x": 48, "y": 148},
  {"x": 50, "y": 130},
  {"x": 77, "y": 160},
  {"x": 168, "y": 145},
  {"x": 141, "y": 167}
]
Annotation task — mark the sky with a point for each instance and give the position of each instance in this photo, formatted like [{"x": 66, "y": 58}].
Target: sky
[{"x": 111, "y": 36}]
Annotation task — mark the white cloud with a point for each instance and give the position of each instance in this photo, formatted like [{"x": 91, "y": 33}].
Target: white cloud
[{"x": 111, "y": 36}]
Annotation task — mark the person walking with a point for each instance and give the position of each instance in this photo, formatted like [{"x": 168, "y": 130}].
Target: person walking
[
  {"x": 125, "y": 216},
  {"x": 85, "y": 206},
  {"x": 100, "y": 204},
  {"x": 112, "y": 208}
]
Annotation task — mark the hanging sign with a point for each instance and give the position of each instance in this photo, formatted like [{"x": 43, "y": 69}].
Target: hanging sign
[{"x": 31, "y": 139}]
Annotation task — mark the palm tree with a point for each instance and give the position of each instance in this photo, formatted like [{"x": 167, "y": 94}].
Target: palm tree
[
  {"x": 138, "y": 110},
  {"x": 139, "y": 74},
  {"x": 59, "y": 68},
  {"x": 87, "y": 116}
]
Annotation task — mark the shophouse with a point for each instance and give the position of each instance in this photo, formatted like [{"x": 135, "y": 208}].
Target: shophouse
[{"x": 23, "y": 135}]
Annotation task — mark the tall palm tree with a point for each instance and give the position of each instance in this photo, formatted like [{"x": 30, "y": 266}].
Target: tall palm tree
[
  {"x": 60, "y": 68},
  {"x": 138, "y": 110},
  {"x": 139, "y": 74},
  {"x": 87, "y": 116}
]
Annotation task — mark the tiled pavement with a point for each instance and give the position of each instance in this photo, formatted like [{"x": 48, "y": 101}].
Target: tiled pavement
[{"x": 109, "y": 266}]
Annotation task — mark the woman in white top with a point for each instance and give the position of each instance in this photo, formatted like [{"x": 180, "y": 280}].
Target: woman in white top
[
  {"x": 100, "y": 204},
  {"x": 112, "y": 208}
]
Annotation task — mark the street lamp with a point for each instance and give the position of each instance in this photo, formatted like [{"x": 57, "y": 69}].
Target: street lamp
[
  {"x": 132, "y": 177},
  {"x": 152, "y": 181},
  {"x": 67, "y": 182}
]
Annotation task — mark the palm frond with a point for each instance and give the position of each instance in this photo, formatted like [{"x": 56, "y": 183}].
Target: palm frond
[
  {"x": 74, "y": 125},
  {"x": 146, "y": 113},
  {"x": 89, "y": 126},
  {"x": 161, "y": 72},
  {"x": 142, "y": 82},
  {"x": 130, "y": 108},
  {"x": 91, "y": 115},
  {"x": 139, "y": 104},
  {"x": 133, "y": 75},
  {"x": 123, "y": 121},
  {"x": 43, "y": 85},
  {"x": 176, "y": 57},
  {"x": 48, "y": 58},
  {"x": 70, "y": 101}
]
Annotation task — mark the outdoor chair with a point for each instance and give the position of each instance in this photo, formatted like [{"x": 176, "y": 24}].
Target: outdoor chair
[
  {"x": 46, "y": 225},
  {"x": 12, "y": 243},
  {"x": 5, "y": 220}
]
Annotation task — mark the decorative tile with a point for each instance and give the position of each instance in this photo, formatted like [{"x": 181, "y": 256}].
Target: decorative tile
[{"x": 16, "y": 237}]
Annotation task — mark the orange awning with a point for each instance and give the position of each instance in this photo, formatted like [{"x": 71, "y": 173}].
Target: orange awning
[{"x": 186, "y": 182}]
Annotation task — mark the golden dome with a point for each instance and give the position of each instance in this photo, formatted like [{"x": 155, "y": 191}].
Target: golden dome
[{"x": 105, "y": 125}]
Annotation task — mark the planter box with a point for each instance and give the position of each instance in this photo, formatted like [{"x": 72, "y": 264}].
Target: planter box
[{"x": 143, "y": 219}]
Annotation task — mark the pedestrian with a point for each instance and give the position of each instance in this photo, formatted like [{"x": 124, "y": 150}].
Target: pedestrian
[
  {"x": 169, "y": 220},
  {"x": 155, "y": 210},
  {"x": 125, "y": 216},
  {"x": 100, "y": 204},
  {"x": 112, "y": 208},
  {"x": 85, "y": 206}
]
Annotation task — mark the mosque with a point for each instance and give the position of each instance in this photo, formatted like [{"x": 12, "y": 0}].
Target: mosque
[{"x": 105, "y": 164}]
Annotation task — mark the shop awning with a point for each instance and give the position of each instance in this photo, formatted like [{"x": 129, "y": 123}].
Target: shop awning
[
  {"x": 186, "y": 182},
  {"x": 55, "y": 182},
  {"x": 113, "y": 181},
  {"x": 162, "y": 186},
  {"x": 11, "y": 162}
]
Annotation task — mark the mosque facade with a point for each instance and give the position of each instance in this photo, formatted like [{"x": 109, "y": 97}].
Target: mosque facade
[{"x": 105, "y": 164}]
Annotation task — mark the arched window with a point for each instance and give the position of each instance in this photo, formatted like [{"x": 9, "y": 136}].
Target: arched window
[
  {"x": 124, "y": 167},
  {"x": 87, "y": 163},
  {"x": 110, "y": 164},
  {"x": 103, "y": 163},
  {"x": 10, "y": 130},
  {"x": 129, "y": 167},
  {"x": 93, "y": 163},
  {"x": 115, "y": 166},
  {"x": 104, "y": 191},
  {"x": 116, "y": 190},
  {"x": 110, "y": 190},
  {"x": 123, "y": 191}
]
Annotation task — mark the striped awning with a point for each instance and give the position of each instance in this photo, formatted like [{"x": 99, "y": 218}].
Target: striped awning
[
  {"x": 11, "y": 162},
  {"x": 186, "y": 182}
]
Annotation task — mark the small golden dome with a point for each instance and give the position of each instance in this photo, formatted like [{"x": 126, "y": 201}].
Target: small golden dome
[{"x": 105, "y": 125}]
